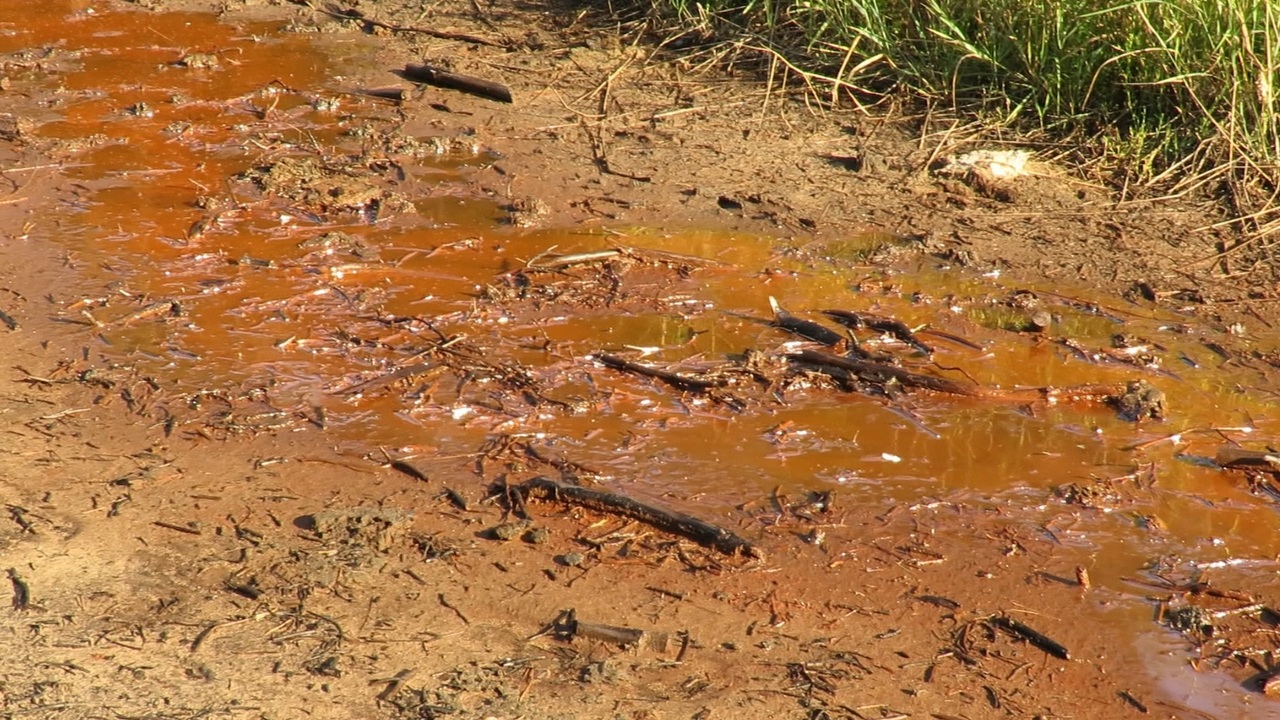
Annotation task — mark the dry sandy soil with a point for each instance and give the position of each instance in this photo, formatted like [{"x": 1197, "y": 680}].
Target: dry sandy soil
[{"x": 159, "y": 576}]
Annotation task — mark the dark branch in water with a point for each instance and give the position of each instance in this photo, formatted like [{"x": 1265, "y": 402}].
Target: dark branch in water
[
  {"x": 675, "y": 380},
  {"x": 804, "y": 328}
]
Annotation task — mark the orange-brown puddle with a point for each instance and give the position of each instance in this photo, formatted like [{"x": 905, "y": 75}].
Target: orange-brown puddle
[{"x": 258, "y": 310}]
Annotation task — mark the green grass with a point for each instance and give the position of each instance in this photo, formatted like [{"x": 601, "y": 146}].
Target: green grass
[{"x": 1158, "y": 80}]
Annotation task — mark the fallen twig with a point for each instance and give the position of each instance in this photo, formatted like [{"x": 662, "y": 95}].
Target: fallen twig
[{"x": 176, "y": 527}]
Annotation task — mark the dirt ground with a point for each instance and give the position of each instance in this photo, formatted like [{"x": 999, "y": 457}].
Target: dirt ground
[{"x": 276, "y": 576}]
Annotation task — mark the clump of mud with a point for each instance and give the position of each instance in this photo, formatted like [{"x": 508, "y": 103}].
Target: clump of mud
[
  {"x": 329, "y": 186},
  {"x": 378, "y": 528},
  {"x": 14, "y": 128}
]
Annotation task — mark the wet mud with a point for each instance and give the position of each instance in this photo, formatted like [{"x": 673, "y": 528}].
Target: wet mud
[{"x": 402, "y": 403}]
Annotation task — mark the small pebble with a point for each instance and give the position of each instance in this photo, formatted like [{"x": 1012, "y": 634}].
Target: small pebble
[
  {"x": 1271, "y": 686},
  {"x": 509, "y": 531},
  {"x": 1082, "y": 577}
]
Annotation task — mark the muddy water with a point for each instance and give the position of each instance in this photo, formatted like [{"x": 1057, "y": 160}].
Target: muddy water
[{"x": 255, "y": 300}]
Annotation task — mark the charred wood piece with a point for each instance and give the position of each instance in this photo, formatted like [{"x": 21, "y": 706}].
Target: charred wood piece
[
  {"x": 1024, "y": 632},
  {"x": 431, "y": 75}
]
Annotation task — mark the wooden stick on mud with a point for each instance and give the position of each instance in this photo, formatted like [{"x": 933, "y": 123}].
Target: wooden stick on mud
[
  {"x": 700, "y": 531},
  {"x": 1031, "y": 635},
  {"x": 393, "y": 94},
  {"x": 431, "y": 75}
]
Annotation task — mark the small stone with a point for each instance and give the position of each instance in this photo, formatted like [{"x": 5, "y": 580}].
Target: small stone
[
  {"x": 509, "y": 531},
  {"x": 602, "y": 672},
  {"x": 1041, "y": 320},
  {"x": 537, "y": 536},
  {"x": 1082, "y": 577},
  {"x": 199, "y": 61},
  {"x": 378, "y": 528},
  {"x": 572, "y": 559},
  {"x": 1140, "y": 401},
  {"x": 325, "y": 104},
  {"x": 527, "y": 212}
]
